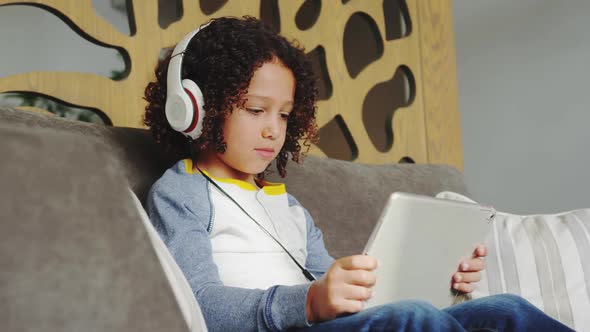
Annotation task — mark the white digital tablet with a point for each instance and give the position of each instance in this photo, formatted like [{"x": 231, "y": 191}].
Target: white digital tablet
[{"x": 419, "y": 241}]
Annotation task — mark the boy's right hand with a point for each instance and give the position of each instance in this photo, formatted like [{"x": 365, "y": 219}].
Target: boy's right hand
[{"x": 342, "y": 289}]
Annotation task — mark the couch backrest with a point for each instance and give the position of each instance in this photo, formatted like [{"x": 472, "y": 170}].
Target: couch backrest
[
  {"x": 345, "y": 198},
  {"x": 138, "y": 156}
]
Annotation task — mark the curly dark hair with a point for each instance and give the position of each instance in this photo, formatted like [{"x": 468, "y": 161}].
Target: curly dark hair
[{"x": 221, "y": 59}]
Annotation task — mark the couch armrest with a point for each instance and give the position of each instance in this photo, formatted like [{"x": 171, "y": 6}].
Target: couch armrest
[{"x": 74, "y": 255}]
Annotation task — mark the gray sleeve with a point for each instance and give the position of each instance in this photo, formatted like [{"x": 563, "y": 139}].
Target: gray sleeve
[
  {"x": 318, "y": 259},
  {"x": 183, "y": 227}
]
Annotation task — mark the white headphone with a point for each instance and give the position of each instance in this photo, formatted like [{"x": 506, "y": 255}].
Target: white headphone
[{"x": 184, "y": 99}]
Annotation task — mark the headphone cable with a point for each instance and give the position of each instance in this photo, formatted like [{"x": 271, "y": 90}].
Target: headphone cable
[{"x": 308, "y": 275}]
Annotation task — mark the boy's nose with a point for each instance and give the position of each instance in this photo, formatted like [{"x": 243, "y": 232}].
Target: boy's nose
[{"x": 270, "y": 130}]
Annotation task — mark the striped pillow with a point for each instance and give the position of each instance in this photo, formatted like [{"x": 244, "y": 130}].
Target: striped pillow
[{"x": 543, "y": 258}]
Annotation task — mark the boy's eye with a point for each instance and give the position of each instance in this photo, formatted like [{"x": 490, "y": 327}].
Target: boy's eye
[
  {"x": 254, "y": 110},
  {"x": 284, "y": 116}
]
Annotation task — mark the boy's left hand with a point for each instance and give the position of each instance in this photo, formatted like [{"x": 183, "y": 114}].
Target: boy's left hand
[{"x": 469, "y": 270}]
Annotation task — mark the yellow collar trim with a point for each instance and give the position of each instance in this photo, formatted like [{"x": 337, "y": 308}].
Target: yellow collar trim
[{"x": 269, "y": 188}]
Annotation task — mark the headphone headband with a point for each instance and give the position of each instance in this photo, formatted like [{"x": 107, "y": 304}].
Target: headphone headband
[{"x": 175, "y": 65}]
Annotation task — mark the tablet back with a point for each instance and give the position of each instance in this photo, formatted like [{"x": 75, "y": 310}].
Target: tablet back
[{"x": 419, "y": 241}]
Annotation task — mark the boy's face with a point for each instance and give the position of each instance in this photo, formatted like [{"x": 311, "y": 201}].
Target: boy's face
[{"x": 256, "y": 133}]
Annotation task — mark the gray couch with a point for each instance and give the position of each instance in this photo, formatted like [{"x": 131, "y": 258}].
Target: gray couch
[{"x": 74, "y": 255}]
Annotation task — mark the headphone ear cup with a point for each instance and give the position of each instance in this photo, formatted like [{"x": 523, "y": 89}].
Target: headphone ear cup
[
  {"x": 198, "y": 112},
  {"x": 178, "y": 109}
]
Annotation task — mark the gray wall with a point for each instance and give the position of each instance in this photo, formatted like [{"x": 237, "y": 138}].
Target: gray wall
[{"x": 523, "y": 71}]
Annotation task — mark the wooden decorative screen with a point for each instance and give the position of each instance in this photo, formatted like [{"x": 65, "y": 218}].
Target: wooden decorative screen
[{"x": 387, "y": 71}]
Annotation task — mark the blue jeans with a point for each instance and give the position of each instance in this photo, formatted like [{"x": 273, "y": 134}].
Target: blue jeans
[{"x": 494, "y": 313}]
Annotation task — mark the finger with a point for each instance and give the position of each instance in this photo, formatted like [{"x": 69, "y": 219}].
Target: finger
[
  {"x": 360, "y": 277},
  {"x": 481, "y": 250},
  {"x": 358, "y": 262},
  {"x": 467, "y": 277},
  {"x": 472, "y": 265},
  {"x": 357, "y": 293},
  {"x": 350, "y": 307},
  {"x": 463, "y": 287}
]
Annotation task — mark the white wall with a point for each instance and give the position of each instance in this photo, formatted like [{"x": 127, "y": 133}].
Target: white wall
[{"x": 523, "y": 71}]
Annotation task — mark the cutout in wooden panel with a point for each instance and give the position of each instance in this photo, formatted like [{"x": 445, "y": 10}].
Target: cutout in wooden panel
[
  {"x": 406, "y": 160},
  {"x": 54, "y": 106},
  {"x": 121, "y": 74},
  {"x": 340, "y": 144},
  {"x": 131, "y": 17},
  {"x": 320, "y": 68},
  {"x": 209, "y": 7},
  {"x": 381, "y": 103},
  {"x": 169, "y": 11},
  {"x": 41, "y": 54},
  {"x": 116, "y": 13},
  {"x": 270, "y": 15},
  {"x": 362, "y": 43},
  {"x": 398, "y": 23},
  {"x": 308, "y": 14}
]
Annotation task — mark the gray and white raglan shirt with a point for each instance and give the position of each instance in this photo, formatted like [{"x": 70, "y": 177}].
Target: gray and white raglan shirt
[{"x": 242, "y": 279}]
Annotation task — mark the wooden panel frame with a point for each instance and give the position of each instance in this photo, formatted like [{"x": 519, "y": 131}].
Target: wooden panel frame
[{"x": 427, "y": 131}]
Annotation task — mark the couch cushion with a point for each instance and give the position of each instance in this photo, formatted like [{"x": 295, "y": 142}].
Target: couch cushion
[{"x": 74, "y": 255}]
